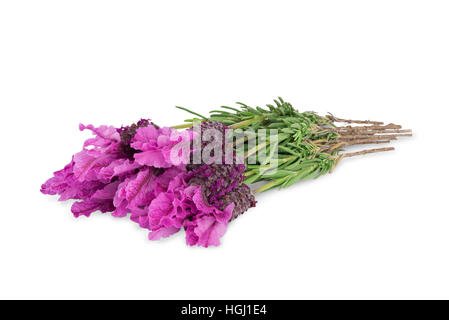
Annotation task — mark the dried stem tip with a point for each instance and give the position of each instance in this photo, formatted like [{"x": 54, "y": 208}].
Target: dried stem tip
[{"x": 363, "y": 152}]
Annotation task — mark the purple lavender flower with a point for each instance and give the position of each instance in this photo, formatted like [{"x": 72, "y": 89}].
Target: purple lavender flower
[
  {"x": 83, "y": 178},
  {"x": 202, "y": 201},
  {"x": 184, "y": 206},
  {"x": 157, "y": 146},
  {"x": 140, "y": 170},
  {"x": 221, "y": 182},
  {"x": 127, "y": 133}
]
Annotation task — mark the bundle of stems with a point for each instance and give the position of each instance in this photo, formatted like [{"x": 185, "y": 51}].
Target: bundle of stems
[{"x": 307, "y": 145}]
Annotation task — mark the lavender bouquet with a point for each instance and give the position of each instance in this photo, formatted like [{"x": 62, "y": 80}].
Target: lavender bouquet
[{"x": 197, "y": 176}]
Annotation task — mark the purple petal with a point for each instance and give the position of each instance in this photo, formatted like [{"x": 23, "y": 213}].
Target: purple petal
[
  {"x": 162, "y": 233},
  {"x": 209, "y": 231}
]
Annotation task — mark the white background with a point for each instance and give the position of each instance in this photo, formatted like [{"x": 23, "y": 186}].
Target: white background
[{"x": 378, "y": 227}]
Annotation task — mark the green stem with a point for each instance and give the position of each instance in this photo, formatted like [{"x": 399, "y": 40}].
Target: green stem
[
  {"x": 268, "y": 186},
  {"x": 256, "y": 148},
  {"x": 192, "y": 112},
  {"x": 246, "y": 123},
  {"x": 183, "y": 126},
  {"x": 250, "y": 173}
]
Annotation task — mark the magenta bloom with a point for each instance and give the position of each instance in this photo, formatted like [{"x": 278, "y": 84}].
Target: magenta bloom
[
  {"x": 105, "y": 177},
  {"x": 103, "y": 150},
  {"x": 95, "y": 195},
  {"x": 142, "y": 170},
  {"x": 136, "y": 192},
  {"x": 118, "y": 168},
  {"x": 65, "y": 184},
  {"x": 209, "y": 225},
  {"x": 101, "y": 200},
  {"x": 184, "y": 206},
  {"x": 84, "y": 179},
  {"x": 160, "y": 147},
  {"x": 159, "y": 183}
]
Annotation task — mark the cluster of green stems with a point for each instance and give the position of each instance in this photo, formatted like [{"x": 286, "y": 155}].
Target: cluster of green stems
[{"x": 307, "y": 145}]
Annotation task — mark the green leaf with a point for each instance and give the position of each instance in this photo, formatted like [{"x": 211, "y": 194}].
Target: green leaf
[{"x": 192, "y": 112}]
